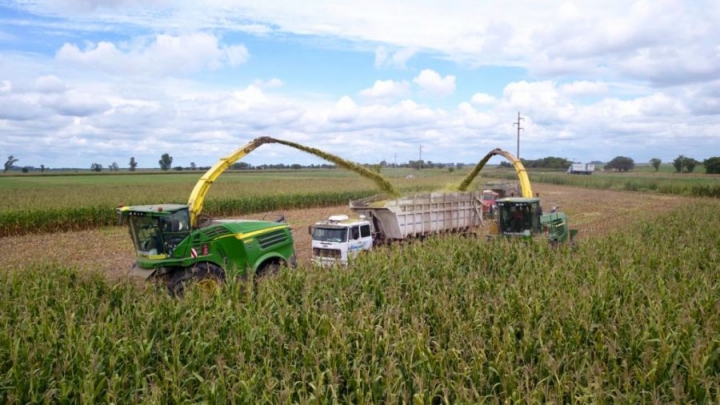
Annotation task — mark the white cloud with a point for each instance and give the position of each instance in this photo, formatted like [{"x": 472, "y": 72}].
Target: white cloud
[
  {"x": 398, "y": 59},
  {"x": 75, "y": 104},
  {"x": 601, "y": 79},
  {"x": 386, "y": 89},
  {"x": 345, "y": 110},
  {"x": 19, "y": 109},
  {"x": 482, "y": 99},
  {"x": 50, "y": 84},
  {"x": 432, "y": 83},
  {"x": 269, "y": 84},
  {"x": 472, "y": 118},
  {"x": 163, "y": 55},
  {"x": 584, "y": 88}
]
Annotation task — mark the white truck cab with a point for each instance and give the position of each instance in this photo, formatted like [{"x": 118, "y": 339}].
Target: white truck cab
[{"x": 339, "y": 238}]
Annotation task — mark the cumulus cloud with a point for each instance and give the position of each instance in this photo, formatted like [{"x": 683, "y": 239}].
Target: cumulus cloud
[
  {"x": 584, "y": 88},
  {"x": 386, "y": 89},
  {"x": 599, "y": 77},
  {"x": 75, "y": 104},
  {"x": 50, "y": 84},
  {"x": 345, "y": 110},
  {"x": 432, "y": 83},
  {"x": 163, "y": 55},
  {"x": 397, "y": 59},
  {"x": 482, "y": 99},
  {"x": 87, "y": 6},
  {"x": 20, "y": 109},
  {"x": 269, "y": 84},
  {"x": 471, "y": 118}
]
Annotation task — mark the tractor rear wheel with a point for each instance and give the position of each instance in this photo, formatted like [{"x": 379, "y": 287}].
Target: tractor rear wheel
[{"x": 207, "y": 277}]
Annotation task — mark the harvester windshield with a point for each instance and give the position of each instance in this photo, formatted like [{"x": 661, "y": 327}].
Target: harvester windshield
[
  {"x": 519, "y": 216},
  {"x": 155, "y": 233}
]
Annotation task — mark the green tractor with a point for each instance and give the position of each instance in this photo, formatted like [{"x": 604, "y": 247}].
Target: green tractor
[
  {"x": 523, "y": 217},
  {"x": 176, "y": 244}
]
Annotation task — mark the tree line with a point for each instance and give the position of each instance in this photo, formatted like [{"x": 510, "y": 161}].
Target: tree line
[{"x": 682, "y": 164}]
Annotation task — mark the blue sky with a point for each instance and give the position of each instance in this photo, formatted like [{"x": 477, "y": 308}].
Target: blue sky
[{"x": 84, "y": 81}]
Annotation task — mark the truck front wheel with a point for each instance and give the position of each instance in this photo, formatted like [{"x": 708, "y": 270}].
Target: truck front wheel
[{"x": 208, "y": 277}]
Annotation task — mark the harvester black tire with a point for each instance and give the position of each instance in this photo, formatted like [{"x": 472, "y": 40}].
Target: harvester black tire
[
  {"x": 207, "y": 275},
  {"x": 203, "y": 220},
  {"x": 268, "y": 269}
]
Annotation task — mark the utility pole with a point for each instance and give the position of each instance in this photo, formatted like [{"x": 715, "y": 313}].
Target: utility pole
[
  {"x": 519, "y": 128},
  {"x": 420, "y": 161}
]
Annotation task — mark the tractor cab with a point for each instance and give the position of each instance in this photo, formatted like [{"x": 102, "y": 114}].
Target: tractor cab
[
  {"x": 156, "y": 229},
  {"x": 518, "y": 216}
]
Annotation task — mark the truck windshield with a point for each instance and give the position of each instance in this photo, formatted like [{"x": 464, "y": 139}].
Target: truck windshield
[{"x": 329, "y": 234}]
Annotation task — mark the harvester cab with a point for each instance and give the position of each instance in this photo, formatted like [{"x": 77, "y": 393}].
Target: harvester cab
[
  {"x": 518, "y": 216},
  {"x": 523, "y": 217},
  {"x": 156, "y": 230}
]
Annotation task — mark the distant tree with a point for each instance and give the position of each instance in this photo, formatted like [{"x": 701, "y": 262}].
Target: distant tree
[
  {"x": 178, "y": 168},
  {"x": 133, "y": 164},
  {"x": 296, "y": 166},
  {"x": 550, "y": 162},
  {"x": 42, "y": 168},
  {"x": 96, "y": 167},
  {"x": 655, "y": 162},
  {"x": 192, "y": 166},
  {"x": 712, "y": 165},
  {"x": 678, "y": 163},
  {"x": 690, "y": 164},
  {"x": 505, "y": 164},
  {"x": 416, "y": 164},
  {"x": 620, "y": 163},
  {"x": 10, "y": 162},
  {"x": 451, "y": 169},
  {"x": 684, "y": 163},
  {"x": 165, "y": 161},
  {"x": 241, "y": 166}
]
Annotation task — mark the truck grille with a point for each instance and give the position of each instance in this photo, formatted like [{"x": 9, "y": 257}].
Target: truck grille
[{"x": 320, "y": 252}]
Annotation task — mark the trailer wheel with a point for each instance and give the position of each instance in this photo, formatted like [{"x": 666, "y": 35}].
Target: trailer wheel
[{"x": 208, "y": 277}]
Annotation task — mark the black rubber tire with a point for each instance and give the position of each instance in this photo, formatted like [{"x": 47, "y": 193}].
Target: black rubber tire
[
  {"x": 268, "y": 269},
  {"x": 203, "y": 220},
  {"x": 207, "y": 275}
]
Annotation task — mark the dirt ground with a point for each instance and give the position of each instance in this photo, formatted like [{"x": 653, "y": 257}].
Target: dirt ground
[{"x": 109, "y": 250}]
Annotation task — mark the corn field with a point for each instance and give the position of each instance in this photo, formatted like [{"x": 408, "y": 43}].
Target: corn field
[
  {"x": 47, "y": 220},
  {"x": 43, "y": 204},
  {"x": 632, "y": 317},
  {"x": 693, "y": 186}
]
